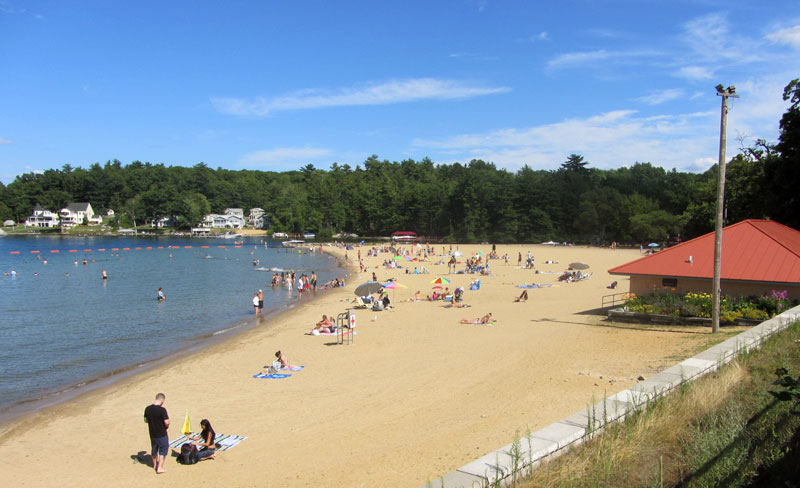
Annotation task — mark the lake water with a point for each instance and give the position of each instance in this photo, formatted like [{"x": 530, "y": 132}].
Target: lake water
[{"x": 59, "y": 331}]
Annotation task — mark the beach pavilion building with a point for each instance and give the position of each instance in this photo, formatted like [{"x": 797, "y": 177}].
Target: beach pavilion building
[{"x": 758, "y": 256}]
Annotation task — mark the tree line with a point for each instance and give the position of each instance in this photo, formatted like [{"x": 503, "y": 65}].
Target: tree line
[{"x": 459, "y": 202}]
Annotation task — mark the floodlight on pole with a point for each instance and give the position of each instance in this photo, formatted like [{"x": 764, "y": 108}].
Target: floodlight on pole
[{"x": 725, "y": 93}]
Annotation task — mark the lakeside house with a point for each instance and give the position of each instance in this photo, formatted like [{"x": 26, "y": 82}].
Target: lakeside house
[
  {"x": 78, "y": 213},
  {"x": 238, "y": 212},
  {"x": 758, "y": 256},
  {"x": 42, "y": 218},
  {"x": 258, "y": 218},
  {"x": 227, "y": 221}
]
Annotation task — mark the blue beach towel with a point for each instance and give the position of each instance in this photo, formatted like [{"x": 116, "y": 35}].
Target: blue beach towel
[{"x": 272, "y": 376}]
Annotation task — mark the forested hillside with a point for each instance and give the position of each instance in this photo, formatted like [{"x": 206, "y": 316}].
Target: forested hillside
[{"x": 472, "y": 202}]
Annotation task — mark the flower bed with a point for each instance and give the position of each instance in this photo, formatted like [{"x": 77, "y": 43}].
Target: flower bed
[{"x": 695, "y": 308}]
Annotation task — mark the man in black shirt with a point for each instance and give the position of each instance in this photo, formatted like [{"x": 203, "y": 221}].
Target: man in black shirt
[{"x": 157, "y": 420}]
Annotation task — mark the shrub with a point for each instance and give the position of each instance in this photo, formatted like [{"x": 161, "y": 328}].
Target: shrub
[
  {"x": 698, "y": 303},
  {"x": 729, "y": 316},
  {"x": 753, "y": 313}
]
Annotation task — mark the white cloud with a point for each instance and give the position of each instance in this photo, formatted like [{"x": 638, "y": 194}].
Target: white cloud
[
  {"x": 395, "y": 91},
  {"x": 695, "y": 73},
  {"x": 582, "y": 59},
  {"x": 607, "y": 140},
  {"x": 542, "y": 36},
  {"x": 279, "y": 155},
  {"x": 3, "y": 140},
  {"x": 789, "y": 36},
  {"x": 657, "y": 97}
]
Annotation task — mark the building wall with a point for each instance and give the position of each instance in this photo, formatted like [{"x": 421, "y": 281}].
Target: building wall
[{"x": 645, "y": 285}]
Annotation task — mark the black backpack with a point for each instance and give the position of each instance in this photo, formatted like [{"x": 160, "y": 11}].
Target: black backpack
[{"x": 188, "y": 454}]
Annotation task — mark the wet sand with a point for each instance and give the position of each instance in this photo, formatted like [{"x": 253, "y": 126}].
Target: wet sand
[{"x": 418, "y": 394}]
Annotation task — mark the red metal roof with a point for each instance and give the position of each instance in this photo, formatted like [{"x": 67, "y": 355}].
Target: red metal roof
[{"x": 752, "y": 250}]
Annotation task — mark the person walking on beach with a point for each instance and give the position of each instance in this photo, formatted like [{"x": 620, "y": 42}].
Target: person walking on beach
[{"x": 157, "y": 420}]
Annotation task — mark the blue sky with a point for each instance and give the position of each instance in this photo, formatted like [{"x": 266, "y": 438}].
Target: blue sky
[{"x": 277, "y": 85}]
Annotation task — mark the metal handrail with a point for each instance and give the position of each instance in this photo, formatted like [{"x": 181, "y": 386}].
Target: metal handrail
[{"x": 611, "y": 300}]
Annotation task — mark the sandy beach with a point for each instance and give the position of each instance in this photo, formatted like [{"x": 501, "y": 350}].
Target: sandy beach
[{"x": 417, "y": 395}]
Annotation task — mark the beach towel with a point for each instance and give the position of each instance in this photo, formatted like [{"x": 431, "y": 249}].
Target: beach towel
[
  {"x": 292, "y": 368},
  {"x": 334, "y": 333},
  {"x": 493, "y": 322},
  {"x": 272, "y": 376},
  {"x": 534, "y": 285},
  {"x": 223, "y": 441}
]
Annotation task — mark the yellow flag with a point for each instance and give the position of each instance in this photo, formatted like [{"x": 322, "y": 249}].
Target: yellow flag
[{"x": 187, "y": 426}]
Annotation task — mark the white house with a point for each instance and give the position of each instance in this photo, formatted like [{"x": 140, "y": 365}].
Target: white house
[
  {"x": 163, "y": 222},
  {"x": 77, "y": 213},
  {"x": 42, "y": 218},
  {"x": 217, "y": 221},
  {"x": 258, "y": 218},
  {"x": 235, "y": 211}
]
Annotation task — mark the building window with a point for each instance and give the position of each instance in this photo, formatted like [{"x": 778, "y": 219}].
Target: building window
[{"x": 669, "y": 282}]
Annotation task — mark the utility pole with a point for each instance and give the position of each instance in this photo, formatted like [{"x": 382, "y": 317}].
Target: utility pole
[{"x": 725, "y": 93}]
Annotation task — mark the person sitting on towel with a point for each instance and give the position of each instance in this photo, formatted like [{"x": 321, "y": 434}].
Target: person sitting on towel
[
  {"x": 282, "y": 359},
  {"x": 205, "y": 441},
  {"x": 323, "y": 325}
]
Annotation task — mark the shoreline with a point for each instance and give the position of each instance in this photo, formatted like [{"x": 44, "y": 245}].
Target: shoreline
[
  {"x": 417, "y": 395},
  {"x": 23, "y": 408}
]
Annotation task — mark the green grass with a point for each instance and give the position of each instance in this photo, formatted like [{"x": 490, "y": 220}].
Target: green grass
[{"x": 725, "y": 429}]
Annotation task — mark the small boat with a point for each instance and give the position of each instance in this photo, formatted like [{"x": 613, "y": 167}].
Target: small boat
[
  {"x": 292, "y": 243},
  {"x": 228, "y": 235},
  {"x": 309, "y": 235},
  {"x": 279, "y": 235}
]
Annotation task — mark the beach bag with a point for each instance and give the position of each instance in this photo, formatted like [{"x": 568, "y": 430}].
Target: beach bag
[{"x": 188, "y": 454}]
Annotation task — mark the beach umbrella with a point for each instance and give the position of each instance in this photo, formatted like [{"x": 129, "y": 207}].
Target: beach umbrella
[
  {"x": 187, "y": 426},
  {"x": 578, "y": 265},
  {"x": 394, "y": 285},
  {"x": 441, "y": 281},
  {"x": 368, "y": 288},
  {"x": 652, "y": 244}
]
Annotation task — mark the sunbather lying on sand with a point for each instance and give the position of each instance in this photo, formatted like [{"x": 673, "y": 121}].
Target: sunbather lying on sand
[
  {"x": 522, "y": 296},
  {"x": 480, "y": 320}
]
